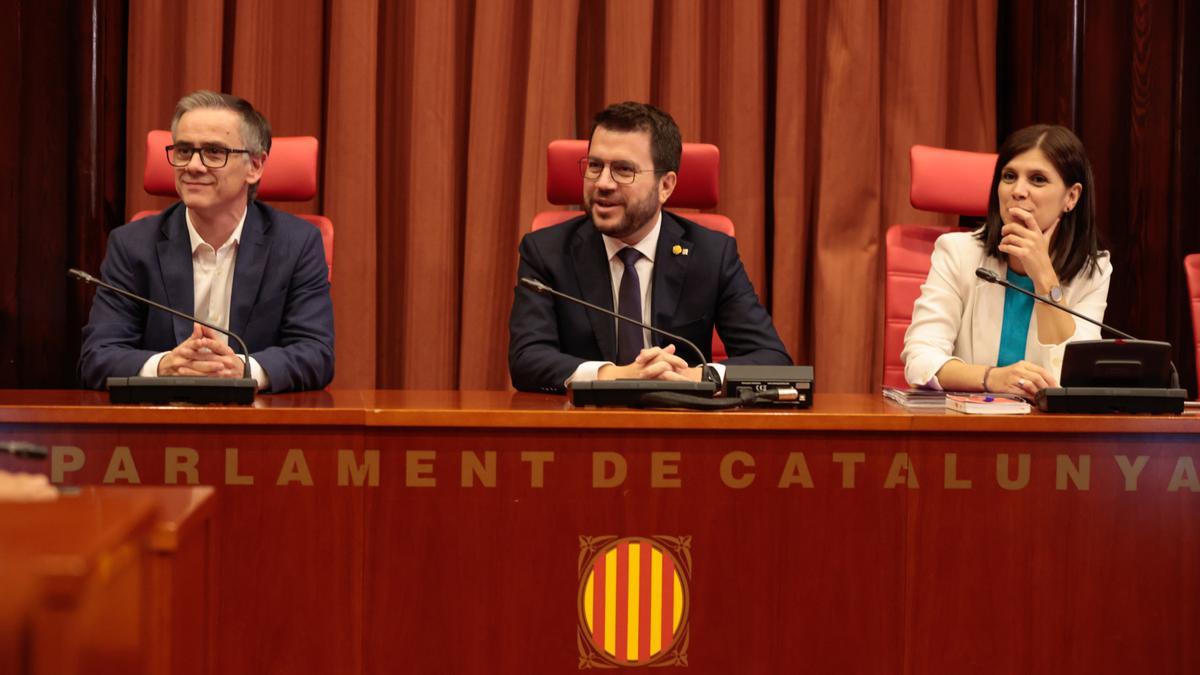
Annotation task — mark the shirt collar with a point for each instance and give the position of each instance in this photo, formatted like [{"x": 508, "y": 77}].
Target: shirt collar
[
  {"x": 197, "y": 240},
  {"x": 647, "y": 246}
]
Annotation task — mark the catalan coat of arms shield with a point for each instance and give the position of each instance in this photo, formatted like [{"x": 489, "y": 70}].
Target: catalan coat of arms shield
[{"x": 633, "y": 601}]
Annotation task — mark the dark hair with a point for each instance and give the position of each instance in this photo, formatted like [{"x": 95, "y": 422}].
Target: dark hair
[
  {"x": 256, "y": 131},
  {"x": 1074, "y": 248},
  {"x": 665, "y": 143}
]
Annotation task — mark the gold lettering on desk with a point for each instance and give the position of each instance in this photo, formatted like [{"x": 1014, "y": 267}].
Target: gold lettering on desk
[
  {"x": 795, "y": 472},
  {"x": 232, "y": 477},
  {"x": 418, "y": 467},
  {"x": 1002, "y": 472},
  {"x": 1184, "y": 476},
  {"x": 183, "y": 460},
  {"x": 1080, "y": 474},
  {"x": 64, "y": 459},
  {"x": 952, "y": 481},
  {"x": 901, "y": 471},
  {"x": 849, "y": 462},
  {"x": 537, "y": 471},
  {"x": 482, "y": 468},
  {"x": 472, "y": 468},
  {"x": 294, "y": 468},
  {"x": 351, "y": 472},
  {"x": 601, "y": 461},
  {"x": 1131, "y": 471},
  {"x": 664, "y": 470},
  {"x": 742, "y": 479},
  {"x": 121, "y": 467}
]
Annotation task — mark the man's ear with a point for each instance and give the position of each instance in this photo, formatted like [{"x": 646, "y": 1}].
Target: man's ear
[
  {"x": 257, "y": 163},
  {"x": 666, "y": 185}
]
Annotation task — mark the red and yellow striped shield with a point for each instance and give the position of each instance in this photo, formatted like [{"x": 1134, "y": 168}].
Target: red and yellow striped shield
[{"x": 633, "y": 600}]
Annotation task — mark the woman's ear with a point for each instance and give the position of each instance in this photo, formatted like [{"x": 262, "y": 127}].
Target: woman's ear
[{"x": 1073, "y": 194}]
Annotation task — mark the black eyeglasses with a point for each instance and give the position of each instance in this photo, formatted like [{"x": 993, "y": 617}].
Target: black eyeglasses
[
  {"x": 212, "y": 156},
  {"x": 621, "y": 172}
]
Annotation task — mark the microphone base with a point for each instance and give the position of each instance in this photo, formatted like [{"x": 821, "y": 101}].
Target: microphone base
[
  {"x": 630, "y": 393},
  {"x": 199, "y": 390},
  {"x": 1106, "y": 400}
]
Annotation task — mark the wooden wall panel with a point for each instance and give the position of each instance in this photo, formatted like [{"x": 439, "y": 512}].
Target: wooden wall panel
[
  {"x": 1129, "y": 89},
  {"x": 62, "y": 125}
]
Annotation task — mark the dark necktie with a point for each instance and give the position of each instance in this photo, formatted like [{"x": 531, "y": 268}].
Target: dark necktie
[{"x": 629, "y": 303}]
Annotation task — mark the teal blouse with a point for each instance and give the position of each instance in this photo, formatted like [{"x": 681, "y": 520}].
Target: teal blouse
[{"x": 1018, "y": 310}]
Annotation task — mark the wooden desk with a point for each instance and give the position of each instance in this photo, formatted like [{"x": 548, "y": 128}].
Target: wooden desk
[
  {"x": 91, "y": 582},
  {"x": 370, "y": 531}
]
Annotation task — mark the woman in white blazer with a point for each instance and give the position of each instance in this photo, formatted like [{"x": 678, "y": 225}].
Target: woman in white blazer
[{"x": 971, "y": 335}]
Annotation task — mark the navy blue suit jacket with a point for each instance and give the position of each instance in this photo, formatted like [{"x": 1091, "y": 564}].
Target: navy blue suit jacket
[
  {"x": 280, "y": 303},
  {"x": 550, "y": 337}
]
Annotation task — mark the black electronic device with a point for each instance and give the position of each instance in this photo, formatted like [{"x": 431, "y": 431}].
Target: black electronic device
[
  {"x": 640, "y": 393},
  {"x": 163, "y": 390},
  {"x": 1115, "y": 376},
  {"x": 790, "y": 386}
]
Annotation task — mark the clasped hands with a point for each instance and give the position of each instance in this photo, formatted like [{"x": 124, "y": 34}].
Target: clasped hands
[
  {"x": 655, "y": 363},
  {"x": 202, "y": 354}
]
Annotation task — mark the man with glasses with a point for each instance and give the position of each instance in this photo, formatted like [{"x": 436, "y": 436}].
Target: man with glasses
[
  {"x": 627, "y": 254},
  {"x": 218, "y": 254}
]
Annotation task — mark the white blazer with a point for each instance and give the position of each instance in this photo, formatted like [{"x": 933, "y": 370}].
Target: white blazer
[{"x": 959, "y": 315}]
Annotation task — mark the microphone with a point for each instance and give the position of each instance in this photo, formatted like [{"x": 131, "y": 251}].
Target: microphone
[
  {"x": 707, "y": 373},
  {"x": 164, "y": 390},
  {"x": 993, "y": 278}
]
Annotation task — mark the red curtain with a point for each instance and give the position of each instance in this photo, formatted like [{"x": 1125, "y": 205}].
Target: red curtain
[{"x": 434, "y": 117}]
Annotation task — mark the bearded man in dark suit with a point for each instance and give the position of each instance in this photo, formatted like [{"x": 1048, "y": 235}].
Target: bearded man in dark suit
[{"x": 627, "y": 254}]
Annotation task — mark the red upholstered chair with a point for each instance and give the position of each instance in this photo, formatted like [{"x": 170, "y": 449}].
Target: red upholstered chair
[
  {"x": 1191, "y": 264},
  {"x": 697, "y": 188},
  {"x": 290, "y": 175},
  {"x": 944, "y": 181}
]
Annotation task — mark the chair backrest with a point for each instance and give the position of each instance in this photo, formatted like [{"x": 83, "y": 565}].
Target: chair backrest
[
  {"x": 1191, "y": 265},
  {"x": 950, "y": 181},
  {"x": 697, "y": 187},
  {"x": 290, "y": 175},
  {"x": 943, "y": 181}
]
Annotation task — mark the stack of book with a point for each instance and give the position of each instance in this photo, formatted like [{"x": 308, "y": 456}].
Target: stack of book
[
  {"x": 958, "y": 401},
  {"x": 917, "y": 399}
]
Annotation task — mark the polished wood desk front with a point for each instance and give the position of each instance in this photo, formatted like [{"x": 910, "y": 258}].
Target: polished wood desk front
[
  {"x": 106, "y": 580},
  {"x": 377, "y": 531}
]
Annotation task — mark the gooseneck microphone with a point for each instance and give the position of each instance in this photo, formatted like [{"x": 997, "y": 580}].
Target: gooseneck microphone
[
  {"x": 176, "y": 389},
  {"x": 89, "y": 279},
  {"x": 707, "y": 374},
  {"x": 993, "y": 278}
]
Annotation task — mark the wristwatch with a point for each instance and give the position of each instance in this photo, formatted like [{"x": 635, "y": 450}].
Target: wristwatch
[{"x": 1055, "y": 294}]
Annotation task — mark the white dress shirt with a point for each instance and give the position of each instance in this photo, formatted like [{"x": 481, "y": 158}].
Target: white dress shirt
[{"x": 212, "y": 288}]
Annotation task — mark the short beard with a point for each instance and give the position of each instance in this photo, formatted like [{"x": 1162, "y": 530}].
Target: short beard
[{"x": 637, "y": 215}]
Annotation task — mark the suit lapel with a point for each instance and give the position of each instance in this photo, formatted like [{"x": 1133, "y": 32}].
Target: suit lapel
[
  {"x": 985, "y": 333},
  {"x": 253, "y": 253},
  {"x": 670, "y": 271},
  {"x": 595, "y": 284},
  {"x": 175, "y": 266}
]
